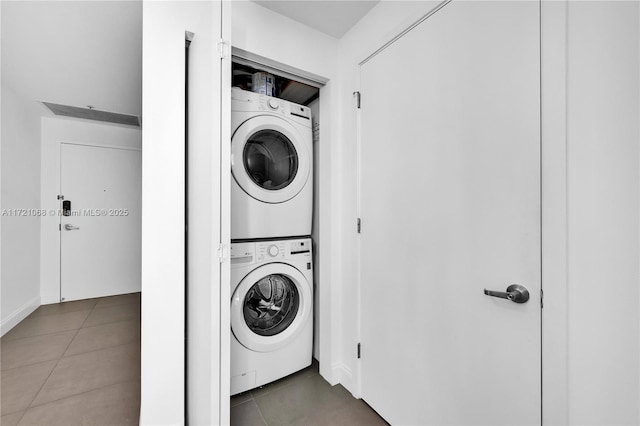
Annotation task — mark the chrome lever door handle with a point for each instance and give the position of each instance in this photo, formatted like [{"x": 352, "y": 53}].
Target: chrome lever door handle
[
  {"x": 515, "y": 292},
  {"x": 70, "y": 227}
]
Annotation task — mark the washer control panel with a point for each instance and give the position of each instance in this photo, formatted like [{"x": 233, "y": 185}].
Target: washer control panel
[
  {"x": 271, "y": 250},
  {"x": 242, "y": 254},
  {"x": 300, "y": 246},
  {"x": 248, "y": 253}
]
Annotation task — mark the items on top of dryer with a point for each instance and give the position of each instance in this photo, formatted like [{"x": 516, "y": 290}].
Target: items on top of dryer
[
  {"x": 263, "y": 83},
  {"x": 286, "y": 87}
]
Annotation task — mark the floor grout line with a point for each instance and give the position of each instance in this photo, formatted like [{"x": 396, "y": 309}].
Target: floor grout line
[
  {"x": 37, "y": 362},
  {"x": 13, "y": 412},
  {"x": 109, "y": 323},
  {"x": 242, "y": 402},
  {"x": 42, "y": 334},
  {"x": 261, "y": 415},
  {"x": 96, "y": 350},
  {"x": 257, "y": 406},
  {"x": 85, "y": 320},
  {"x": 137, "y": 302},
  {"x": 55, "y": 366},
  {"x": 81, "y": 393},
  {"x": 287, "y": 382}
]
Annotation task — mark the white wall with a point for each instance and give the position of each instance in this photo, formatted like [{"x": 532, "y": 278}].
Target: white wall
[
  {"x": 163, "y": 291},
  {"x": 603, "y": 186},
  {"x": 54, "y": 131},
  {"x": 20, "y": 179},
  {"x": 263, "y": 32}
]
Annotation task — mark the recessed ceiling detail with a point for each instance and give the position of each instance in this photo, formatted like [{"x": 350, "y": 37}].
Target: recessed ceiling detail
[{"x": 93, "y": 114}]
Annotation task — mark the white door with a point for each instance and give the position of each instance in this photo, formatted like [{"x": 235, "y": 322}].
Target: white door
[
  {"x": 100, "y": 238},
  {"x": 450, "y": 206}
]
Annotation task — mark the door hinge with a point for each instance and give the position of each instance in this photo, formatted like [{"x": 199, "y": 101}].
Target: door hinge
[
  {"x": 59, "y": 227},
  {"x": 222, "y": 253},
  {"x": 358, "y": 96},
  {"x": 358, "y": 350},
  {"x": 359, "y": 225},
  {"x": 60, "y": 197},
  {"x": 541, "y": 299},
  {"x": 223, "y": 48}
]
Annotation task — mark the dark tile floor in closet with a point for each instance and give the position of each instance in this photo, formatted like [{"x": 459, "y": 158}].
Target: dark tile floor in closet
[
  {"x": 74, "y": 363},
  {"x": 304, "y": 398}
]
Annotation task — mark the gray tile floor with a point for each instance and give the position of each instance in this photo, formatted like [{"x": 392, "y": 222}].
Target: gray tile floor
[
  {"x": 73, "y": 363},
  {"x": 79, "y": 363},
  {"x": 304, "y": 398}
]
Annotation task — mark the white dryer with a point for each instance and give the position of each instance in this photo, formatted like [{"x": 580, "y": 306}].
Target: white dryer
[
  {"x": 271, "y": 164},
  {"x": 271, "y": 311}
]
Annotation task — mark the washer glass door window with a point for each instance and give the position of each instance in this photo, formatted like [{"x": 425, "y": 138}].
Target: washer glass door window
[
  {"x": 270, "y": 159},
  {"x": 271, "y": 305}
]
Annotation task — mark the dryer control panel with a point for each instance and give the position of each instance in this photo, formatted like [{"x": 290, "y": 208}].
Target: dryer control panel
[{"x": 243, "y": 100}]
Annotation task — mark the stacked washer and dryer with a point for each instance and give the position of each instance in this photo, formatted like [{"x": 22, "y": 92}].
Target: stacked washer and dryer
[{"x": 271, "y": 259}]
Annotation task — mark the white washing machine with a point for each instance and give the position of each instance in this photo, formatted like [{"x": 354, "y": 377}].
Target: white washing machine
[
  {"x": 271, "y": 311},
  {"x": 271, "y": 164}
]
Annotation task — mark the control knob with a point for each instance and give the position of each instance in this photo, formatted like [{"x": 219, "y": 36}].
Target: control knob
[
  {"x": 273, "y": 251},
  {"x": 273, "y": 103}
]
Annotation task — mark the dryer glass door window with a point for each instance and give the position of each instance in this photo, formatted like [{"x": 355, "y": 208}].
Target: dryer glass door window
[
  {"x": 270, "y": 159},
  {"x": 271, "y": 305}
]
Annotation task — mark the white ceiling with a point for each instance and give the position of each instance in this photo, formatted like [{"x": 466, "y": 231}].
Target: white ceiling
[
  {"x": 83, "y": 53},
  {"x": 331, "y": 17},
  {"x": 74, "y": 52}
]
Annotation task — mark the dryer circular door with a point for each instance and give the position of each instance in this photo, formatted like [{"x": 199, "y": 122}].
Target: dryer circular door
[
  {"x": 270, "y": 307},
  {"x": 268, "y": 159}
]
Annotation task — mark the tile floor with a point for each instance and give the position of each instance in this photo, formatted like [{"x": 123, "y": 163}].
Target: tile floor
[
  {"x": 73, "y": 363},
  {"x": 304, "y": 398},
  {"x": 79, "y": 363}
]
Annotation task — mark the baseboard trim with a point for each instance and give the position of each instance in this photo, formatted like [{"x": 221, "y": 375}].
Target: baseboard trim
[
  {"x": 19, "y": 314},
  {"x": 342, "y": 374}
]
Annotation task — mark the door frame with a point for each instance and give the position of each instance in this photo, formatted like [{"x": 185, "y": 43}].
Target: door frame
[
  {"x": 55, "y": 132},
  {"x": 328, "y": 257},
  {"x": 553, "y": 196}
]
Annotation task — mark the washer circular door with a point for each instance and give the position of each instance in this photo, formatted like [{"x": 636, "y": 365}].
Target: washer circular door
[
  {"x": 268, "y": 160},
  {"x": 270, "y": 306}
]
